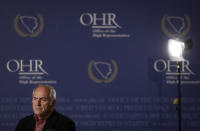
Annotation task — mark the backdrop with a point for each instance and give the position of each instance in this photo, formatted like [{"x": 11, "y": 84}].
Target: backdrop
[{"x": 107, "y": 60}]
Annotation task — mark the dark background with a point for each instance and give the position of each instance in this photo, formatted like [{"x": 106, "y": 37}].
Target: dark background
[{"x": 138, "y": 98}]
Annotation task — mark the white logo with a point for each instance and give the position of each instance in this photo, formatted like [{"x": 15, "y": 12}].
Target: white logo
[
  {"x": 170, "y": 67},
  {"x": 31, "y": 67},
  {"x": 30, "y": 71},
  {"x": 103, "y": 25},
  {"x": 105, "y": 20},
  {"x": 171, "y": 71}
]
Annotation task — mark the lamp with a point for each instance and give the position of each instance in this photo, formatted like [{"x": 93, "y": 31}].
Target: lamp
[
  {"x": 176, "y": 50},
  {"x": 177, "y": 47}
]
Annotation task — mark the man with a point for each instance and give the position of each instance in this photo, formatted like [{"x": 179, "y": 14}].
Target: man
[{"x": 45, "y": 118}]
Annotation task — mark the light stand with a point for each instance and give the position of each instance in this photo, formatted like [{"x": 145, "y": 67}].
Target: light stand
[
  {"x": 176, "y": 49},
  {"x": 179, "y": 108}
]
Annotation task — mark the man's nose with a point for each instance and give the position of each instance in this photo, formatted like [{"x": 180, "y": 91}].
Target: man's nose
[{"x": 38, "y": 102}]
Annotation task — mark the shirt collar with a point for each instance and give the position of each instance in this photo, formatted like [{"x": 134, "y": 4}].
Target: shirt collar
[{"x": 43, "y": 118}]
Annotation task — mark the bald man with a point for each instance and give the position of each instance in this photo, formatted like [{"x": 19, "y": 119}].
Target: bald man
[{"x": 45, "y": 118}]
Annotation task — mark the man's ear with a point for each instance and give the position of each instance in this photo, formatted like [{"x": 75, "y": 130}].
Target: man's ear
[{"x": 53, "y": 103}]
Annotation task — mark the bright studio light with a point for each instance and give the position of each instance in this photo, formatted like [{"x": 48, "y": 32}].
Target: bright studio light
[{"x": 175, "y": 49}]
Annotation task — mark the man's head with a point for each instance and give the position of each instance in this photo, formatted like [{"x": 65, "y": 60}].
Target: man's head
[{"x": 44, "y": 100}]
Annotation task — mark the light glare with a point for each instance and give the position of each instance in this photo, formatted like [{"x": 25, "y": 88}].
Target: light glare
[{"x": 176, "y": 49}]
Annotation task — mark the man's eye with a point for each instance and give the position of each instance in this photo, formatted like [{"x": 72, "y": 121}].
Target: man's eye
[
  {"x": 34, "y": 98},
  {"x": 43, "y": 99}
]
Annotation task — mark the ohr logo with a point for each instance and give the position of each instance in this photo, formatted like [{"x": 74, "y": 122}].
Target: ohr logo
[
  {"x": 170, "y": 67},
  {"x": 29, "y": 67},
  {"x": 104, "y": 20}
]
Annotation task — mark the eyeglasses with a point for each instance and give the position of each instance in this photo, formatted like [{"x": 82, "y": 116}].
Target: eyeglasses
[{"x": 42, "y": 99}]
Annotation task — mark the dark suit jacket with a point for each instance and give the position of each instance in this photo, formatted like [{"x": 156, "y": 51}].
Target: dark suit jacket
[{"x": 56, "y": 122}]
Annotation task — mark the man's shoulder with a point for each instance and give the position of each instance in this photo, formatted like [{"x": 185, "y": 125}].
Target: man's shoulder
[
  {"x": 26, "y": 123},
  {"x": 62, "y": 117},
  {"x": 60, "y": 121},
  {"x": 27, "y": 118}
]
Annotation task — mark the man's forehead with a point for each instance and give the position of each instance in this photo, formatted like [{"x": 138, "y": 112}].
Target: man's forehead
[
  {"x": 42, "y": 88},
  {"x": 41, "y": 91}
]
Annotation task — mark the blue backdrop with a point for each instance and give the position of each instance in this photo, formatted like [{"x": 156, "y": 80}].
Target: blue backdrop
[{"x": 108, "y": 61}]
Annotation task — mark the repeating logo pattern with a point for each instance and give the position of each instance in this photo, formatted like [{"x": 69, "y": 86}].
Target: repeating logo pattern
[
  {"x": 169, "y": 67},
  {"x": 104, "y": 25},
  {"x": 30, "y": 26},
  {"x": 176, "y": 26},
  {"x": 30, "y": 71},
  {"x": 102, "y": 72}
]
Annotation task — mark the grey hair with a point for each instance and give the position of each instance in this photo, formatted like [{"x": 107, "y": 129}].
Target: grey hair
[{"x": 52, "y": 91}]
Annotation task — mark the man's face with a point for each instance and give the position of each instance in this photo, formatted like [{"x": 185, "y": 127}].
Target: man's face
[{"x": 41, "y": 102}]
